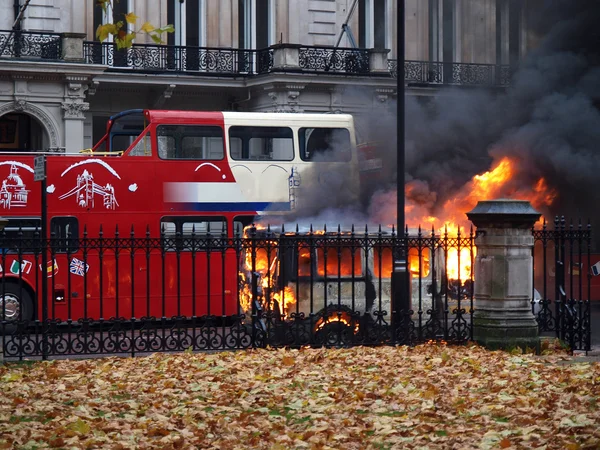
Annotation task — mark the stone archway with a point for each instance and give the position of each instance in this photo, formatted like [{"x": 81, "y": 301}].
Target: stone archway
[{"x": 45, "y": 120}]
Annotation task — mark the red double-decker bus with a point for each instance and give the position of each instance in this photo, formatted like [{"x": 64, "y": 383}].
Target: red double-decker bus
[{"x": 127, "y": 219}]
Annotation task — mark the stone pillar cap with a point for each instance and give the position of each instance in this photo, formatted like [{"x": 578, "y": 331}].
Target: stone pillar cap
[{"x": 504, "y": 213}]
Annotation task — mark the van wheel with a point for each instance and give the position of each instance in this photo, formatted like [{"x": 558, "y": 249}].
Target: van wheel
[
  {"x": 335, "y": 334},
  {"x": 15, "y": 306}
]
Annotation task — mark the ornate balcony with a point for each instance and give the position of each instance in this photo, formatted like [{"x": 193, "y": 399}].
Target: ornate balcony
[{"x": 236, "y": 62}]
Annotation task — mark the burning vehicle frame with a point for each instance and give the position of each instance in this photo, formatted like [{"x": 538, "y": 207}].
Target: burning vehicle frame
[{"x": 336, "y": 286}]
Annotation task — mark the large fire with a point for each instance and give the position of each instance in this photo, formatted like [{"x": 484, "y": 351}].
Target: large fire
[
  {"x": 499, "y": 182},
  {"x": 493, "y": 184}
]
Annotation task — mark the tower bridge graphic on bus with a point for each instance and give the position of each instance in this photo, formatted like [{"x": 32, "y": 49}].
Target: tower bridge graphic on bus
[{"x": 86, "y": 190}]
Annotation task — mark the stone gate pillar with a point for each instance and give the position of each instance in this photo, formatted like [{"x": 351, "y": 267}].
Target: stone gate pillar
[{"x": 504, "y": 274}]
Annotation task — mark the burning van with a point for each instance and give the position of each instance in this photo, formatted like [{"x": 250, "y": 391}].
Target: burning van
[{"x": 343, "y": 276}]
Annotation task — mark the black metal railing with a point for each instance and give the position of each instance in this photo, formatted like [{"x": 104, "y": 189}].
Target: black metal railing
[
  {"x": 562, "y": 280},
  {"x": 453, "y": 73},
  {"x": 219, "y": 61},
  {"x": 29, "y": 44},
  {"x": 334, "y": 60},
  {"x": 127, "y": 293},
  {"x": 137, "y": 292}
]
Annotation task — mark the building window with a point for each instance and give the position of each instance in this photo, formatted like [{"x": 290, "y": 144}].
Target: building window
[
  {"x": 115, "y": 12},
  {"x": 256, "y": 23},
  {"x": 189, "y": 19},
  {"x": 372, "y": 23}
]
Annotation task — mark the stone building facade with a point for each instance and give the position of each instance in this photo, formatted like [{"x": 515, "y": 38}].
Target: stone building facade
[{"x": 58, "y": 85}]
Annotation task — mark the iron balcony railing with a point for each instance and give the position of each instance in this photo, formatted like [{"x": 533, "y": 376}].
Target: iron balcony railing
[
  {"x": 453, "y": 73},
  {"x": 29, "y": 44},
  {"x": 249, "y": 62},
  {"x": 166, "y": 58}
]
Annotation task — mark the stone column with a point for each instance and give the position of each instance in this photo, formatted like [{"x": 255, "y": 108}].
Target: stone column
[
  {"x": 74, "y": 108},
  {"x": 504, "y": 274}
]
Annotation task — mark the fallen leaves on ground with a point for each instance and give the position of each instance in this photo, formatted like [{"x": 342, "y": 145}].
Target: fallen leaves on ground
[{"x": 426, "y": 397}]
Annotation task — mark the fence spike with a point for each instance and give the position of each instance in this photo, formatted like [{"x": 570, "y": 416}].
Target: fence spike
[
  {"x": 283, "y": 228},
  {"x": 147, "y": 231}
]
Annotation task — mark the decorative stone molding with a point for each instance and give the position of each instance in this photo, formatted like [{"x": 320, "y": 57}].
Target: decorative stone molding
[
  {"x": 92, "y": 88},
  {"x": 284, "y": 98},
  {"x": 383, "y": 94},
  {"x": 75, "y": 110},
  {"x": 21, "y": 105}
]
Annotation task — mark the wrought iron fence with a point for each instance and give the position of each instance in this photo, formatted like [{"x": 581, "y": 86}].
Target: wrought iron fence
[
  {"x": 29, "y": 44},
  {"x": 430, "y": 72},
  {"x": 135, "y": 293},
  {"x": 220, "y": 61},
  {"x": 562, "y": 280}
]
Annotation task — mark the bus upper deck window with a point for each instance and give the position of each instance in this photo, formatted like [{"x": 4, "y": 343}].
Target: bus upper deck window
[
  {"x": 261, "y": 143},
  {"x": 143, "y": 146},
  {"x": 199, "y": 142},
  {"x": 325, "y": 144}
]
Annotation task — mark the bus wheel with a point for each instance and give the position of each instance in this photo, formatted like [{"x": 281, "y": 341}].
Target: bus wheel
[{"x": 15, "y": 305}]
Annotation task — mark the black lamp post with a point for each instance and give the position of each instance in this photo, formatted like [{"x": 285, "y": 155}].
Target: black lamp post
[{"x": 400, "y": 275}]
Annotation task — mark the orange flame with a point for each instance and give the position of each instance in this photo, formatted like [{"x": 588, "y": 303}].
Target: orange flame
[
  {"x": 496, "y": 183},
  {"x": 264, "y": 262}
]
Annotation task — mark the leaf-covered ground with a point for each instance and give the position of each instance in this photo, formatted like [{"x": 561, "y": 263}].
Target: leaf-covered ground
[{"x": 427, "y": 397}]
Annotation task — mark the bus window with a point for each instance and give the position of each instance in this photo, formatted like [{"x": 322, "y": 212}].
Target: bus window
[
  {"x": 143, "y": 147},
  {"x": 178, "y": 232},
  {"x": 325, "y": 144},
  {"x": 382, "y": 262},
  {"x": 339, "y": 262},
  {"x": 21, "y": 234},
  {"x": 261, "y": 143},
  {"x": 64, "y": 232},
  {"x": 198, "y": 142},
  {"x": 125, "y": 130}
]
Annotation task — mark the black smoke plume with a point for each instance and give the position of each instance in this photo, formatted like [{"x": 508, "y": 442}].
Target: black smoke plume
[{"x": 548, "y": 120}]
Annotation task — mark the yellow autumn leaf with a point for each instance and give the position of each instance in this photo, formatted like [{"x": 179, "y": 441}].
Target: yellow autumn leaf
[
  {"x": 147, "y": 27},
  {"x": 79, "y": 426},
  {"x": 130, "y": 18}
]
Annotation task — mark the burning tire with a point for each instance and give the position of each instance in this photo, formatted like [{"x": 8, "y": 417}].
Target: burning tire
[
  {"x": 16, "y": 305},
  {"x": 336, "y": 328}
]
